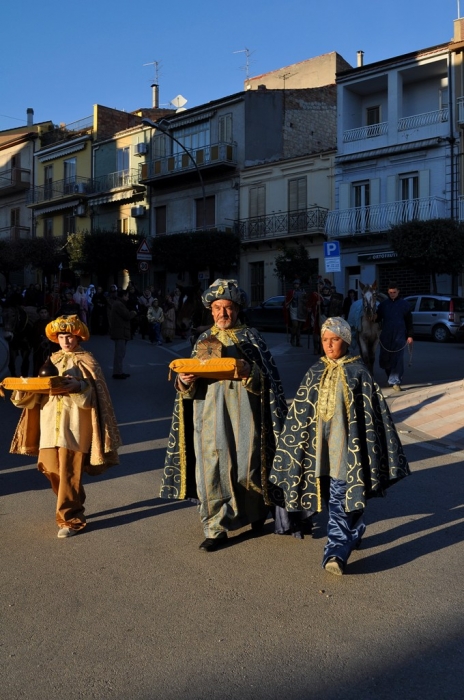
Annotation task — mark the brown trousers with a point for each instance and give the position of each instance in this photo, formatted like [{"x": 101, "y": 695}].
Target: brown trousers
[{"x": 64, "y": 468}]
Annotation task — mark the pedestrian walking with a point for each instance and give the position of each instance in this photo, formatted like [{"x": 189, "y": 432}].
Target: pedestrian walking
[
  {"x": 73, "y": 430},
  {"x": 395, "y": 316},
  {"x": 223, "y": 432},
  {"x": 120, "y": 331},
  {"x": 338, "y": 445}
]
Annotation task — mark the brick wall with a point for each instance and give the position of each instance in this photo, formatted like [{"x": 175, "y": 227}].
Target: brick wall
[{"x": 310, "y": 121}]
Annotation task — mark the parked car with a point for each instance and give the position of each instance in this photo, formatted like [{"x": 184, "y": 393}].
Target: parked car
[
  {"x": 269, "y": 315},
  {"x": 441, "y": 317}
]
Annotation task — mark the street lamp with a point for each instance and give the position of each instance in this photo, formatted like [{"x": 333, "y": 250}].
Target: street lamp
[{"x": 165, "y": 130}]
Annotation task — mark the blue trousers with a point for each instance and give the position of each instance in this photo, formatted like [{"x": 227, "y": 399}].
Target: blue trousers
[{"x": 344, "y": 530}]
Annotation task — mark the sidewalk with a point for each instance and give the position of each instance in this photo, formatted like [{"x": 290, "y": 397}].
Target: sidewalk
[{"x": 435, "y": 411}]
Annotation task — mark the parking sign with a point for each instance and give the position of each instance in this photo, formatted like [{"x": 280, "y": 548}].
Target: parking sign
[{"x": 332, "y": 256}]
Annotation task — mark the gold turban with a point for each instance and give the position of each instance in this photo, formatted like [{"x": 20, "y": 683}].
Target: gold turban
[
  {"x": 66, "y": 324},
  {"x": 339, "y": 326}
]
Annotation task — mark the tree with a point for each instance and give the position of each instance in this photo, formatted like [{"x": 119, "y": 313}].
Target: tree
[
  {"x": 12, "y": 256},
  {"x": 434, "y": 247},
  {"x": 197, "y": 250},
  {"x": 295, "y": 262},
  {"x": 103, "y": 253}
]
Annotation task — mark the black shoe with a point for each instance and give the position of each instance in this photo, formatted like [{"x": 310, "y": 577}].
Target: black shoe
[
  {"x": 120, "y": 376},
  {"x": 211, "y": 545},
  {"x": 258, "y": 525}
]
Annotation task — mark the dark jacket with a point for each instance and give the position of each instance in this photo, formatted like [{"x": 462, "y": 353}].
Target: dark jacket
[{"x": 120, "y": 318}]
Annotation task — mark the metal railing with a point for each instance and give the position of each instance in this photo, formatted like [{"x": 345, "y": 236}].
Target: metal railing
[
  {"x": 15, "y": 232},
  {"x": 378, "y": 218},
  {"x": 365, "y": 132},
  {"x": 15, "y": 178},
  {"x": 214, "y": 154},
  {"x": 112, "y": 181},
  {"x": 288, "y": 223},
  {"x": 418, "y": 120},
  {"x": 77, "y": 186}
]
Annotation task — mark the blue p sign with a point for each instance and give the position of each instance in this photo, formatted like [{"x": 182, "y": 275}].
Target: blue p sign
[{"x": 332, "y": 249}]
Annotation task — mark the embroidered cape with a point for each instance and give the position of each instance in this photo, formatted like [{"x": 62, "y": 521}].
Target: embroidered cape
[
  {"x": 105, "y": 433},
  {"x": 179, "y": 470},
  {"x": 374, "y": 457}
]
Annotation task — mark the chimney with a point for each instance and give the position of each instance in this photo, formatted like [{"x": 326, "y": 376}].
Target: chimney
[
  {"x": 360, "y": 59},
  {"x": 458, "y": 30},
  {"x": 155, "y": 95},
  {"x": 30, "y": 116}
]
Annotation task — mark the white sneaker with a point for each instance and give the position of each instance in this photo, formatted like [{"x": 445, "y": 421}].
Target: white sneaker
[
  {"x": 66, "y": 532},
  {"x": 397, "y": 387},
  {"x": 334, "y": 566}
]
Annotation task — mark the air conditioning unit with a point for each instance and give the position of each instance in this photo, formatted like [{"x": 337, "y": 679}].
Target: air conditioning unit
[
  {"x": 80, "y": 210},
  {"x": 79, "y": 187},
  {"x": 137, "y": 211},
  {"x": 140, "y": 149}
]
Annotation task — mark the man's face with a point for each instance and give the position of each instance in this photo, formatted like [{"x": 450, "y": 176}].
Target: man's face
[
  {"x": 393, "y": 293},
  {"x": 225, "y": 313},
  {"x": 334, "y": 346},
  {"x": 43, "y": 314},
  {"x": 68, "y": 342}
]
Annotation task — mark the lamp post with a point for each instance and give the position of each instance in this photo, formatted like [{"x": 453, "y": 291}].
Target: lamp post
[{"x": 164, "y": 130}]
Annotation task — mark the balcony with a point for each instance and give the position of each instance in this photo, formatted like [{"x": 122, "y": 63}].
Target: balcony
[
  {"x": 416, "y": 121},
  {"x": 14, "y": 180},
  {"x": 284, "y": 224},
  {"x": 15, "y": 232},
  {"x": 460, "y": 102},
  {"x": 122, "y": 179},
  {"x": 378, "y": 218},
  {"x": 365, "y": 132},
  {"x": 216, "y": 157},
  {"x": 60, "y": 190}
]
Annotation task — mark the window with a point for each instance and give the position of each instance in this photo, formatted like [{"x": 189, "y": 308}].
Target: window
[
  {"x": 14, "y": 217},
  {"x": 192, "y": 137},
  {"x": 48, "y": 181},
  {"x": 205, "y": 209},
  {"x": 373, "y": 121},
  {"x": 160, "y": 220},
  {"x": 297, "y": 194},
  {"x": 225, "y": 128},
  {"x": 123, "y": 225},
  {"x": 257, "y": 201},
  {"x": 257, "y": 281},
  {"x": 361, "y": 196},
  {"x": 122, "y": 159},
  {"x": 409, "y": 196},
  {"x": 70, "y": 171},
  {"x": 48, "y": 228},
  {"x": 69, "y": 224}
]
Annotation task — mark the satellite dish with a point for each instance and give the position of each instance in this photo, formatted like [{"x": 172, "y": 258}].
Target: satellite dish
[{"x": 179, "y": 102}]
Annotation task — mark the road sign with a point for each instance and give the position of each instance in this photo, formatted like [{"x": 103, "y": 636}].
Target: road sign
[
  {"x": 143, "y": 252},
  {"x": 332, "y": 256},
  {"x": 143, "y": 266}
]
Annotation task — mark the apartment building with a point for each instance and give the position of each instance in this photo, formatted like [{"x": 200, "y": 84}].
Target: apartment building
[{"x": 397, "y": 158}]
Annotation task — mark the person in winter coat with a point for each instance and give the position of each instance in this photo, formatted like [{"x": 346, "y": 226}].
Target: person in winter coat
[{"x": 120, "y": 331}]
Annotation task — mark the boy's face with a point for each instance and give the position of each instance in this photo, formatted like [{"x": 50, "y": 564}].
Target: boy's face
[{"x": 68, "y": 342}]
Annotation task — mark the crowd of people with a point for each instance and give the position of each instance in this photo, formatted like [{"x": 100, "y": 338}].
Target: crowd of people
[{"x": 235, "y": 446}]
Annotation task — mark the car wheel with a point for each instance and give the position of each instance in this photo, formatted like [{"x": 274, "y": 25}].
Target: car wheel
[{"x": 441, "y": 334}]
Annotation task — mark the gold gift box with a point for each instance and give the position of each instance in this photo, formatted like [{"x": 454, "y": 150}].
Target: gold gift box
[
  {"x": 216, "y": 368},
  {"x": 36, "y": 385}
]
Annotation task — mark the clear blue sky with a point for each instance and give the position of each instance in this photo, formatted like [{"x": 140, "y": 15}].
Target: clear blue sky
[{"x": 60, "y": 58}]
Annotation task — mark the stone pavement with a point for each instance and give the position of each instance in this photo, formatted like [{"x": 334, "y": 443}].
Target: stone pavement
[{"x": 436, "y": 412}]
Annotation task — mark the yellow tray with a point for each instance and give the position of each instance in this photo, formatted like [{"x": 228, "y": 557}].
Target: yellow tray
[
  {"x": 36, "y": 385},
  {"x": 216, "y": 368}
]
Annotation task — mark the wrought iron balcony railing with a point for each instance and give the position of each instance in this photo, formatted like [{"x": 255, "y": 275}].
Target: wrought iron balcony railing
[
  {"x": 378, "y": 218},
  {"x": 15, "y": 232},
  {"x": 415, "y": 121},
  {"x": 365, "y": 132},
  {"x": 119, "y": 179},
  {"x": 290, "y": 223},
  {"x": 14, "y": 180},
  {"x": 72, "y": 187},
  {"x": 205, "y": 157}
]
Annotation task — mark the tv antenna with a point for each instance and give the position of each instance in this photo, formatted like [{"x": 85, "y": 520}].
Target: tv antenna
[
  {"x": 286, "y": 76},
  {"x": 246, "y": 67},
  {"x": 157, "y": 66}
]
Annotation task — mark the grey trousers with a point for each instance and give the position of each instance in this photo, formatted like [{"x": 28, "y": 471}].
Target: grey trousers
[{"x": 119, "y": 354}]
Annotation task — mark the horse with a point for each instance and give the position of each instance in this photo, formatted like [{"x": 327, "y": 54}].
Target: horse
[
  {"x": 362, "y": 319},
  {"x": 18, "y": 332}
]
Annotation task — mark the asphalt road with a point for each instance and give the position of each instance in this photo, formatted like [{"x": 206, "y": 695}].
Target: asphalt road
[{"x": 131, "y": 610}]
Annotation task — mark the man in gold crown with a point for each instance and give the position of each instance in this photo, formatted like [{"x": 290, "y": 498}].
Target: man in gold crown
[
  {"x": 338, "y": 445},
  {"x": 72, "y": 431},
  {"x": 223, "y": 432}
]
